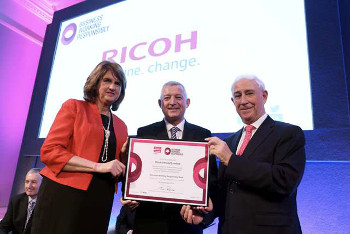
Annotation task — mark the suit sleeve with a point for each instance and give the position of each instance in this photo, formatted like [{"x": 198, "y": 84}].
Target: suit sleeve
[
  {"x": 55, "y": 150},
  {"x": 213, "y": 186},
  {"x": 125, "y": 220},
  {"x": 7, "y": 224},
  {"x": 280, "y": 174}
]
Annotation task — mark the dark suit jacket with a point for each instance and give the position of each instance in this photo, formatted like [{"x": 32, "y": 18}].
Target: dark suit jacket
[
  {"x": 163, "y": 218},
  {"x": 16, "y": 216},
  {"x": 259, "y": 188},
  {"x": 125, "y": 220}
]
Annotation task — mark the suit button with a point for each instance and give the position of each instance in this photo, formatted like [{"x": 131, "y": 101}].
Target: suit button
[{"x": 231, "y": 190}]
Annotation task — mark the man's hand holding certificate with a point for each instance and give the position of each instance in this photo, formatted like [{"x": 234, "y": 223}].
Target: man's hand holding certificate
[{"x": 167, "y": 171}]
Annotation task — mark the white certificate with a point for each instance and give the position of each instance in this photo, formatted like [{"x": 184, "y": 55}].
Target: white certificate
[{"x": 167, "y": 171}]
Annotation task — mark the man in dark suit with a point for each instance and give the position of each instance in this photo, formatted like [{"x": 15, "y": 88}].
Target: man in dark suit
[
  {"x": 20, "y": 209},
  {"x": 261, "y": 167},
  {"x": 163, "y": 218}
]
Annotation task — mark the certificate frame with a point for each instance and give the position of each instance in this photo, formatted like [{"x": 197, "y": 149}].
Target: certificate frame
[{"x": 169, "y": 171}]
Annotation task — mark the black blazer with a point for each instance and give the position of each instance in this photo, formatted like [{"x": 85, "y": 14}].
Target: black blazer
[
  {"x": 163, "y": 218},
  {"x": 16, "y": 216},
  {"x": 259, "y": 188}
]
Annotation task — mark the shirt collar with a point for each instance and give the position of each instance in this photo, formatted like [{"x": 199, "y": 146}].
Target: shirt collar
[
  {"x": 30, "y": 199},
  {"x": 257, "y": 123},
  {"x": 181, "y": 125}
]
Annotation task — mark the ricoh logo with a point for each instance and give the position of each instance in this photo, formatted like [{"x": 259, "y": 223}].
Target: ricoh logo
[
  {"x": 87, "y": 28},
  {"x": 155, "y": 48}
]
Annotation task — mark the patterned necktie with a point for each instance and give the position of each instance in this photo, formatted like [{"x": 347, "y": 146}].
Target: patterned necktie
[
  {"x": 173, "y": 131},
  {"x": 248, "y": 135},
  {"x": 30, "y": 209}
]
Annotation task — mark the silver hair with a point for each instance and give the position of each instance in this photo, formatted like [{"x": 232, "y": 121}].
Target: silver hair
[
  {"x": 172, "y": 83},
  {"x": 35, "y": 170},
  {"x": 249, "y": 77}
]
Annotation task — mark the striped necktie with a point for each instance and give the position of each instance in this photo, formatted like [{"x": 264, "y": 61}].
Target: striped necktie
[
  {"x": 30, "y": 209},
  {"x": 173, "y": 131}
]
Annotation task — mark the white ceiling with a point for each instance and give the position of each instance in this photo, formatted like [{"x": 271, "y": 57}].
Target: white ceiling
[{"x": 30, "y": 17}]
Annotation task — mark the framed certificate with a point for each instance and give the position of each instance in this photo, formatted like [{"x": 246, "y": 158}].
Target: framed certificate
[{"x": 167, "y": 171}]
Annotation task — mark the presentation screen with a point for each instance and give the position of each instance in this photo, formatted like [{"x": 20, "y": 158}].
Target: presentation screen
[{"x": 204, "y": 45}]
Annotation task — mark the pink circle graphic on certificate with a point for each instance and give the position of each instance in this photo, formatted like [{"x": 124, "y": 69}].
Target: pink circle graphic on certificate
[
  {"x": 136, "y": 160},
  {"x": 167, "y": 151},
  {"x": 198, "y": 179}
]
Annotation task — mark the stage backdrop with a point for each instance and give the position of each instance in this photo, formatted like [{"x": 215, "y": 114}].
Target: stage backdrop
[{"x": 327, "y": 27}]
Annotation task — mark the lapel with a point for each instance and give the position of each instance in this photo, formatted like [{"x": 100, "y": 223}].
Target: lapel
[
  {"x": 260, "y": 135},
  {"x": 187, "y": 133},
  {"x": 232, "y": 143},
  {"x": 29, "y": 224},
  {"x": 23, "y": 212},
  {"x": 116, "y": 127},
  {"x": 160, "y": 131}
]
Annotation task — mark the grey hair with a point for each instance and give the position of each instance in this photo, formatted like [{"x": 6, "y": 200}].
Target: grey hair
[
  {"x": 172, "y": 83},
  {"x": 249, "y": 77},
  {"x": 35, "y": 170}
]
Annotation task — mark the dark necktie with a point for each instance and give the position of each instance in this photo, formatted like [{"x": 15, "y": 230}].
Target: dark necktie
[{"x": 173, "y": 131}]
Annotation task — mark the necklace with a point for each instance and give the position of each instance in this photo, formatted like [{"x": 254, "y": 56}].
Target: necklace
[{"x": 107, "y": 134}]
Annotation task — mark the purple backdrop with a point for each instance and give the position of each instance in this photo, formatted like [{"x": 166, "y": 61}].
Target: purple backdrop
[{"x": 18, "y": 67}]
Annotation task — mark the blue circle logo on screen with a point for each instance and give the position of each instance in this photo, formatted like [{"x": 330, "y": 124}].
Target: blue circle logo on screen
[{"x": 69, "y": 33}]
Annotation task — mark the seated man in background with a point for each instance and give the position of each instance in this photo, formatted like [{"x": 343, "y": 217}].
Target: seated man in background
[{"x": 20, "y": 209}]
